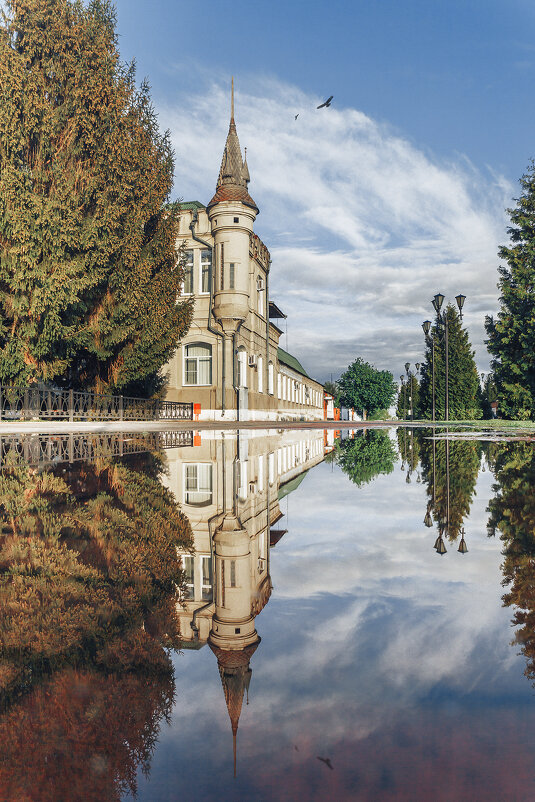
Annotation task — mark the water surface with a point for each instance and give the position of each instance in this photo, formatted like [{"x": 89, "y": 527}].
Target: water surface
[{"x": 343, "y": 630}]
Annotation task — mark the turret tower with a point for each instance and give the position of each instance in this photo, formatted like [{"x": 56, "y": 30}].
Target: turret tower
[{"x": 232, "y": 213}]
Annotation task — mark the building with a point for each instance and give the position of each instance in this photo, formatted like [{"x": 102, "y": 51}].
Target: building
[
  {"x": 230, "y": 362},
  {"x": 230, "y": 486}
]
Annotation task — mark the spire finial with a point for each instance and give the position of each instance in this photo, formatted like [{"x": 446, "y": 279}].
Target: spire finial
[
  {"x": 232, "y": 100},
  {"x": 234, "y": 749}
]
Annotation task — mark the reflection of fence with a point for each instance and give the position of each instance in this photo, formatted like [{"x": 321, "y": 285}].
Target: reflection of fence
[
  {"x": 36, "y": 403},
  {"x": 40, "y": 450}
]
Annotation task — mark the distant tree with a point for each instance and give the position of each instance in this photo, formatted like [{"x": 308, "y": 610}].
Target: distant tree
[
  {"x": 368, "y": 454},
  {"x": 463, "y": 379},
  {"x": 512, "y": 334},
  {"x": 365, "y": 388},
  {"x": 89, "y": 267},
  {"x": 332, "y": 388}
]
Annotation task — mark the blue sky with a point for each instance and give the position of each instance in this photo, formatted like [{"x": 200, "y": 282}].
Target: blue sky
[{"x": 396, "y": 192}]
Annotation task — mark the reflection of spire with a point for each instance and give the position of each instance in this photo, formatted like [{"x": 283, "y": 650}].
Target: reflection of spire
[{"x": 235, "y": 676}]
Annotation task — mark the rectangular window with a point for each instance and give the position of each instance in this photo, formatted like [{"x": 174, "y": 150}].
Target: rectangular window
[
  {"x": 206, "y": 578},
  {"x": 198, "y": 484},
  {"x": 206, "y": 264},
  {"x": 233, "y": 573},
  {"x": 188, "y": 273},
  {"x": 187, "y": 563},
  {"x": 222, "y": 268},
  {"x": 231, "y": 276}
]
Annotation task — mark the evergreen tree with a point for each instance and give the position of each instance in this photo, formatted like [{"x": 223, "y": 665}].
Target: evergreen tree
[
  {"x": 366, "y": 389},
  {"x": 460, "y": 459},
  {"x": 463, "y": 379},
  {"x": 512, "y": 334},
  {"x": 89, "y": 268}
]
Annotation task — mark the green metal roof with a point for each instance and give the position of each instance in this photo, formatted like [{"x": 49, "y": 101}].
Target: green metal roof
[
  {"x": 291, "y": 485},
  {"x": 191, "y": 205},
  {"x": 292, "y": 362}
]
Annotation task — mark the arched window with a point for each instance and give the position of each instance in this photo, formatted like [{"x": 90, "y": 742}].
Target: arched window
[
  {"x": 271, "y": 389},
  {"x": 198, "y": 364}
]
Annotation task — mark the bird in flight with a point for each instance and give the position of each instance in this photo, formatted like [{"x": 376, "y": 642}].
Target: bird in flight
[
  {"x": 296, "y": 116},
  {"x": 326, "y": 104},
  {"x": 327, "y": 761}
]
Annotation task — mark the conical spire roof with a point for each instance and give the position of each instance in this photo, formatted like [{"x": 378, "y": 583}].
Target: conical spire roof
[
  {"x": 233, "y": 173},
  {"x": 235, "y": 676}
]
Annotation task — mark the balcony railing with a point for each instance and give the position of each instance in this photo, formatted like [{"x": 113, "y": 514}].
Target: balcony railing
[
  {"x": 42, "y": 450},
  {"x": 36, "y": 403}
]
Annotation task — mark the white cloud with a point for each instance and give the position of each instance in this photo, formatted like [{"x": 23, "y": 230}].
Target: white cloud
[{"x": 363, "y": 226}]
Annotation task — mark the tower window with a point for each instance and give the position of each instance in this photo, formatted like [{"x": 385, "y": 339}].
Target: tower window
[
  {"x": 236, "y": 219},
  {"x": 231, "y": 275}
]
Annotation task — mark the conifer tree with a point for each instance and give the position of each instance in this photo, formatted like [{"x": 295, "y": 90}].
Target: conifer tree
[
  {"x": 89, "y": 268},
  {"x": 512, "y": 334},
  {"x": 463, "y": 379}
]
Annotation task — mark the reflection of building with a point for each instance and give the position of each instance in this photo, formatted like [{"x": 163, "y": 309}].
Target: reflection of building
[
  {"x": 230, "y": 361},
  {"x": 230, "y": 489}
]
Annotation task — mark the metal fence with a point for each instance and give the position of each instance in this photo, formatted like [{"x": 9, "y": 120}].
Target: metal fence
[
  {"x": 42, "y": 450},
  {"x": 36, "y": 403}
]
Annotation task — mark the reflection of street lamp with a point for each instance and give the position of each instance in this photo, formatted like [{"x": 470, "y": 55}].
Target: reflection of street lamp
[
  {"x": 463, "y": 548},
  {"x": 442, "y": 319}
]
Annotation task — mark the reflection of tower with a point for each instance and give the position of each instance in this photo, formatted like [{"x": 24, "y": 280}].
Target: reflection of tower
[{"x": 233, "y": 637}]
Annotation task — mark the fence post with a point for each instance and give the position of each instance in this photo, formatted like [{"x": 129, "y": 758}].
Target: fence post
[
  {"x": 1, "y": 401},
  {"x": 71, "y": 406},
  {"x": 121, "y": 407},
  {"x": 71, "y": 446},
  {"x": 26, "y": 405}
]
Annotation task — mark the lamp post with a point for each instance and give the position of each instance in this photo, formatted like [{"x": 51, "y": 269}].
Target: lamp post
[
  {"x": 409, "y": 385},
  {"x": 442, "y": 319},
  {"x": 426, "y": 326},
  {"x": 402, "y": 380}
]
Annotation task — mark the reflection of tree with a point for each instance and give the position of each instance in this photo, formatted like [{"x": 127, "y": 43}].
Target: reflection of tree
[
  {"x": 369, "y": 453},
  {"x": 88, "y": 583},
  {"x": 512, "y": 511},
  {"x": 409, "y": 449},
  {"x": 450, "y": 469}
]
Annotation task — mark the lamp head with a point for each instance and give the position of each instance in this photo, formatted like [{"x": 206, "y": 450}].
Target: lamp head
[
  {"x": 460, "y": 302},
  {"x": 426, "y": 326},
  {"x": 438, "y": 300},
  {"x": 407, "y": 366}
]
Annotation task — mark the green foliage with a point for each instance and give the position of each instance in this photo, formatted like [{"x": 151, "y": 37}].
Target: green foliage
[
  {"x": 512, "y": 512},
  {"x": 89, "y": 268},
  {"x": 451, "y": 489},
  {"x": 370, "y": 453},
  {"x": 365, "y": 388},
  {"x": 464, "y": 390},
  {"x": 512, "y": 334}
]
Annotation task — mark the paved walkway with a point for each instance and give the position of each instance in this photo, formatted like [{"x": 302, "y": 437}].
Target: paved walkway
[{"x": 57, "y": 427}]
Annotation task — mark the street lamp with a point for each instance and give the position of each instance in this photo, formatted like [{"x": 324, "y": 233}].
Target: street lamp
[
  {"x": 409, "y": 385},
  {"x": 426, "y": 326},
  {"x": 442, "y": 319}
]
